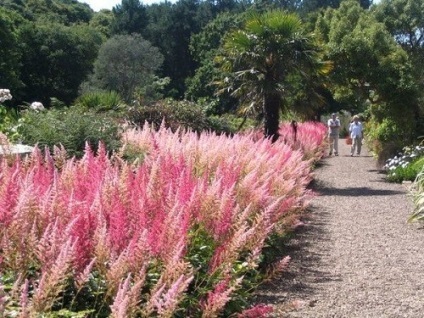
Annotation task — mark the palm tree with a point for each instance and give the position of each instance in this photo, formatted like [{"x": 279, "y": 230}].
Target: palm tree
[{"x": 262, "y": 58}]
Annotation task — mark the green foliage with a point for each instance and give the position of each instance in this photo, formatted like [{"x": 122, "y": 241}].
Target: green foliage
[
  {"x": 9, "y": 122},
  {"x": 388, "y": 135},
  {"x": 153, "y": 91},
  {"x": 100, "y": 101},
  {"x": 369, "y": 66},
  {"x": 102, "y": 22},
  {"x": 61, "y": 11},
  {"x": 57, "y": 59},
  {"x": 406, "y": 165},
  {"x": 9, "y": 50},
  {"x": 204, "y": 47},
  {"x": 126, "y": 63},
  {"x": 372, "y": 75},
  {"x": 129, "y": 17},
  {"x": 70, "y": 127},
  {"x": 408, "y": 173},
  {"x": 404, "y": 19}
]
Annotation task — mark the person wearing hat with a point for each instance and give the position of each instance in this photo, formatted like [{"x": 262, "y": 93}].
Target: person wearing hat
[
  {"x": 355, "y": 130},
  {"x": 333, "y": 134}
]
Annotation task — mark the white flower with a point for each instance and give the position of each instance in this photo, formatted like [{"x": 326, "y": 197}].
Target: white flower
[
  {"x": 4, "y": 95},
  {"x": 37, "y": 106}
]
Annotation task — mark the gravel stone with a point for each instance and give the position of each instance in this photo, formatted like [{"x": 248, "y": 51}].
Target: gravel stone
[{"x": 356, "y": 257}]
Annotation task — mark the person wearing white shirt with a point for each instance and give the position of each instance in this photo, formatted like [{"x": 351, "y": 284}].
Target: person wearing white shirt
[
  {"x": 333, "y": 134},
  {"x": 355, "y": 130}
]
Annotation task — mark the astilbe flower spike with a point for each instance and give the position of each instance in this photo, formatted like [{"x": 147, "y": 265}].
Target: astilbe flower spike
[
  {"x": 258, "y": 311},
  {"x": 120, "y": 305},
  {"x": 217, "y": 298},
  {"x": 24, "y": 300},
  {"x": 166, "y": 302},
  {"x": 52, "y": 280}
]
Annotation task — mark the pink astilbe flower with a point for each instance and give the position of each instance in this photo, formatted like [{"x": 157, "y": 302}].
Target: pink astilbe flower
[
  {"x": 52, "y": 280},
  {"x": 166, "y": 301},
  {"x": 83, "y": 277},
  {"x": 168, "y": 291},
  {"x": 219, "y": 297},
  {"x": 120, "y": 304},
  {"x": 258, "y": 311},
  {"x": 229, "y": 251},
  {"x": 9, "y": 191},
  {"x": 49, "y": 246},
  {"x": 123, "y": 218},
  {"x": 277, "y": 268},
  {"x": 117, "y": 271},
  {"x": 310, "y": 138},
  {"x": 101, "y": 249},
  {"x": 24, "y": 300}
]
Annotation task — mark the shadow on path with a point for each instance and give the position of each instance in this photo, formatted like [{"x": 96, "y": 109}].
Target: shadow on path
[{"x": 355, "y": 191}]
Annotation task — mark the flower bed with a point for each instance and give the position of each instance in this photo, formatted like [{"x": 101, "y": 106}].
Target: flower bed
[{"x": 180, "y": 231}]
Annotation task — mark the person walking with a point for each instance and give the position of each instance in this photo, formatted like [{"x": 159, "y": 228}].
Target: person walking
[
  {"x": 333, "y": 134},
  {"x": 355, "y": 130}
]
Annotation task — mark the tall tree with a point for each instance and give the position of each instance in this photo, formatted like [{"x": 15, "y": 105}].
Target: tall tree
[
  {"x": 362, "y": 51},
  {"x": 404, "y": 19},
  {"x": 130, "y": 17},
  {"x": 203, "y": 47},
  {"x": 260, "y": 59}
]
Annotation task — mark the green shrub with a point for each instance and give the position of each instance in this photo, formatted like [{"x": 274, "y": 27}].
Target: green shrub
[
  {"x": 388, "y": 136},
  {"x": 9, "y": 121},
  {"x": 408, "y": 173},
  {"x": 100, "y": 101},
  {"x": 70, "y": 127},
  {"x": 180, "y": 114}
]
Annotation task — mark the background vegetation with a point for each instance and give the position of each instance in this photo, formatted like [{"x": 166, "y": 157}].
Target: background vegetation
[{"x": 61, "y": 49}]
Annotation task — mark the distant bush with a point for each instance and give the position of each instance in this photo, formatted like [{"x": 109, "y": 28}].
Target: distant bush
[
  {"x": 70, "y": 127},
  {"x": 181, "y": 114}
]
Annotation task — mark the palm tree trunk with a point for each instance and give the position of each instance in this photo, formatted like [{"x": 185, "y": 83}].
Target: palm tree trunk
[{"x": 272, "y": 116}]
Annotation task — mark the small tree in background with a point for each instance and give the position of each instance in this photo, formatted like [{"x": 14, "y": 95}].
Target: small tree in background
[{"x": 126, "y": 63}]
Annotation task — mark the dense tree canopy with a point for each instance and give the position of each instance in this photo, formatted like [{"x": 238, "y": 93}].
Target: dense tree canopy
[
  {"x": 57, "y": 59},
  {"x": 204, "y": 46},
  {"x": 130, "y": 17},
  {"x": 373, "y": 75},
  {"x": 10, "y": 55}
]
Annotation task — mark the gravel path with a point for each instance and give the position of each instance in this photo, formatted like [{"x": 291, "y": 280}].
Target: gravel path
[{"x": 356, "y": 257}]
